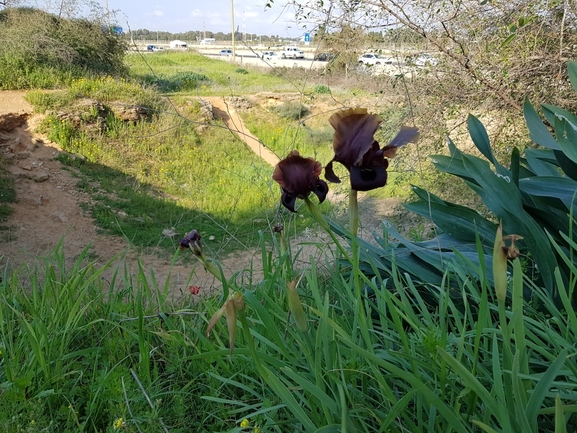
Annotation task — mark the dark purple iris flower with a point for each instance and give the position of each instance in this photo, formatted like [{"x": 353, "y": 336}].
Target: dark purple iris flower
[
  {"x": 356, "y": 148},
  {"x": 298, "y": 177},
  {"x": 191, "y": 241}
]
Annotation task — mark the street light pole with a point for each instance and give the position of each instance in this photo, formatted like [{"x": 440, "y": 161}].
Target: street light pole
[{"x": 232, "y": 20}]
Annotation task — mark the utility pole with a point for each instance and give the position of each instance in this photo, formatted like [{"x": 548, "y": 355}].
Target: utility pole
[{"x": 232, "y": 28}]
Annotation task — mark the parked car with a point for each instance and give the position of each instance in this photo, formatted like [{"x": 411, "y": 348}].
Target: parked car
[
  {"x": 324, "y": 57},
  {"x": 154, "y": 48},
  {"x": 225, "y": 52},
  {"x": 292, "y": 53},
  {"x": 269, "y": 55},
  {"x": 422, "y": 60},
  {"x": 371, "y": 59}
]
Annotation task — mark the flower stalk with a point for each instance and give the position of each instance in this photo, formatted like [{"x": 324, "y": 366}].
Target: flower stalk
[
  {"x": 296, "y": 306},
  {"x": 353, "y": 212},
  {"x": 191, "y": 241}
]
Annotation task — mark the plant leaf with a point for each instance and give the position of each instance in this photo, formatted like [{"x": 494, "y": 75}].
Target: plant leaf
[
  {"x": 572, "y": 70},
  {"x": 562, "y": 188},
  {"x": 538, "y": 132},
  {"x": 566, "y": 133},
  {"x": 542, "y": 387}
]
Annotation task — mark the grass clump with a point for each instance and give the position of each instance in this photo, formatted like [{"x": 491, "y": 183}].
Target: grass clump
[
  {"x": 145, "y": 359},
  {"x": 181, "y": 81}
]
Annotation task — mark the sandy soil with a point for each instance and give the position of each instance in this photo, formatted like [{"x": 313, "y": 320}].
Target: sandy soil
[{"x": 48, "y": 209}]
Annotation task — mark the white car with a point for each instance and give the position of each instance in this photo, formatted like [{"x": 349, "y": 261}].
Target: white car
[
  {"x": 225, "y": 53},
  {"x": 425, "y": 60},
  {"x": 269, "y": 55},
  {"x": 292, "y": 53},
  {"x": 371, "y": 59}
]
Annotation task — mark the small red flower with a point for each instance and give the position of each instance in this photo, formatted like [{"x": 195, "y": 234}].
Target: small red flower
[{"x": 194, "y": 290}]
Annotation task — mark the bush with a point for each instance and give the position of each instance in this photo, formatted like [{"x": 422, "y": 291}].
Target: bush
[
  {"x": 322, "y": 89},
  {"x": 292, "y": 110},
  {"x": 38, "y": 49}
]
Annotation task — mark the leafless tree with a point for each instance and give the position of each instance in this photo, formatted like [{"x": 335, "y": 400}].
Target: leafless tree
[{"x": 500, "y": 50}]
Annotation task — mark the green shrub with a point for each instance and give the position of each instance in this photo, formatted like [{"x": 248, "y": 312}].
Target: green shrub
[
  {"x": 319, "y": 137},
  {"x": 322, "y": 89},
  {"x": 241, "y": 71},
  {"x": 292, "y": 110},
  {"x": 41, "y": 50}
]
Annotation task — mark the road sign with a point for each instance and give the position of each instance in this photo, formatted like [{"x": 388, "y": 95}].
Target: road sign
[{"x": 307, "y": 37}]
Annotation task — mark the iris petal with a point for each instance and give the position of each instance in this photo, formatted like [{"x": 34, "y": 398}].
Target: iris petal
[
  {"x": 288, "y": 200},
  {"x": 368, "y": 178},
  {"x": 321, "y": 190},
  {"x": 330, "y": 174},
  {"x": 406, "y": 135},
  {"x": 354, "y": 131}
]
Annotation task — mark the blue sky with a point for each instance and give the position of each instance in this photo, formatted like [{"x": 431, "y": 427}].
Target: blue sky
[{"x": 215, "y": 15}]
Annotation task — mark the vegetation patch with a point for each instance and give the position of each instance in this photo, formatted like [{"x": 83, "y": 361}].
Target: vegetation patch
[
  {"x": 7, "y": 193},
  {"x": 181, "y": 81}
]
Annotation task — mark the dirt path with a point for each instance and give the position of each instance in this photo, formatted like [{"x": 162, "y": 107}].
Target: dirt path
[{"x": 232, "y": 120}]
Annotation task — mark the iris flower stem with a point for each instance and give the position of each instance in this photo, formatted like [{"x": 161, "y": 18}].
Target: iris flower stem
[
  {"x": 354, "y": 227},
  {"x": 504, "y": 322},
  {"x": 214, "y": 269},
  {"x": 316, "y": 213},
  {"x": 210, "y": 267},
  {"x": 284, "y": 257},
  {"x": 354, "y": 212}
]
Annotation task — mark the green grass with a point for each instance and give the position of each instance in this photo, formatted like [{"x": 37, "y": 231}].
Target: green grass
[
  {"x": 225, "y": 78},
  {"x": 84, "y": 349}
]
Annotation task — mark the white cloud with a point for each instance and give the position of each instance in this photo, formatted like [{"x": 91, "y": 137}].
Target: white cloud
[{"x": 157, "y": 13}]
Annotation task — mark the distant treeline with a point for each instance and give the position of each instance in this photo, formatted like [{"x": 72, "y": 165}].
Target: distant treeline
[{"x": 197, "y": 35}]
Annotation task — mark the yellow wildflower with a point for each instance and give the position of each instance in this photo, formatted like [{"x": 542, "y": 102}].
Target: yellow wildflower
[
  {"x": 256, "y": 430},
  {"x": 118, "y": 423},
  {"x": 244, "y": 423}
]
